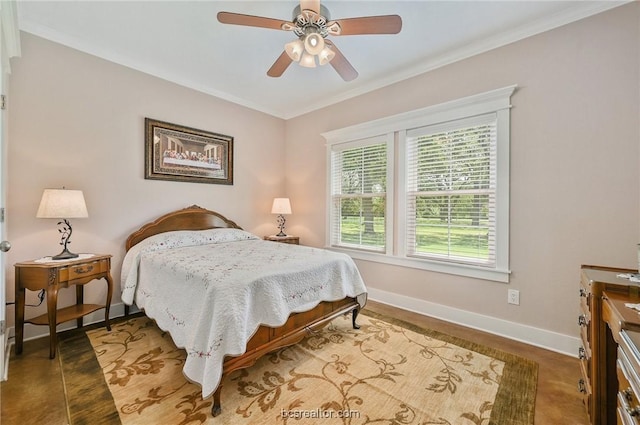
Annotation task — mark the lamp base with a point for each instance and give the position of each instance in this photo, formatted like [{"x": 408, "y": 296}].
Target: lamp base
[
  {"x": 281, "y": 221},
  {"x": 65, "y": 255}
]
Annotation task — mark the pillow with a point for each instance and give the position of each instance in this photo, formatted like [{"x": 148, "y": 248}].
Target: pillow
[{"x": 180, "y": 238}]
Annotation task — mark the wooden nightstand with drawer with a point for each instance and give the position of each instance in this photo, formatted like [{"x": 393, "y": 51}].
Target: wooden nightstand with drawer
[
  {"x": 51, "y": 276},
  {"x": 294, "y": 240}
]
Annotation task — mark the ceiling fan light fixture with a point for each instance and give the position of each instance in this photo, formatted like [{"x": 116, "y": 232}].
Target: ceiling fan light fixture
[
  {"x": 307, "y": 60},
  {"x": 313, "y": 43},
  {"x": 325, "y": 56},
  {"x": 294, "y": 50}
]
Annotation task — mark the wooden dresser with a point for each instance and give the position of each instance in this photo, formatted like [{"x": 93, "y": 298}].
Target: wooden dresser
[{"x": 602, "y": 320}]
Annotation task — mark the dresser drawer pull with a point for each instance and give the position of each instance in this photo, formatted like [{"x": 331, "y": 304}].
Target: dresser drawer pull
[
  {"x": 633, "y": 411},
  {"x": 81, "y": 270},
  {"x": 628, "y": 394},
  {"x": 581, "y": 386},
  {"x": 582, "y": 354},
  {"x": 582, "y": 320}
]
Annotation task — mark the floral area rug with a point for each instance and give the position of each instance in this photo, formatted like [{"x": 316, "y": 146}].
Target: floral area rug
[{"x": 386, "y": 372}]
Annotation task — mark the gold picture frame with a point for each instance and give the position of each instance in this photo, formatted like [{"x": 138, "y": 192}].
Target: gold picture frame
[{"x": 178, "y": 153}]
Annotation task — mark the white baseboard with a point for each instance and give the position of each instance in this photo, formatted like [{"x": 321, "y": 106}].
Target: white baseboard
[
  {"x": 564, "y": 344},
  {"x": 7, "y": 352}
]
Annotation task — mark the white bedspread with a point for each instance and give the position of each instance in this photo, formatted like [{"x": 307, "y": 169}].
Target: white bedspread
[{"x": 212, "y": 289}]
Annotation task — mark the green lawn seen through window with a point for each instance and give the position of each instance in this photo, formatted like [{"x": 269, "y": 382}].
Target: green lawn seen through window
[{"x": 432, "y": 237}]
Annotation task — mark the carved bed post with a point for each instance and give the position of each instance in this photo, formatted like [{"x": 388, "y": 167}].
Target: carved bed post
[
  {"x": 354, "y": 316},
  {"x": 216, "y": 409}
]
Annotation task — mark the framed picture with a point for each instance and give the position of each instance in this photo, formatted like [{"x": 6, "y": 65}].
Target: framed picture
[{"x": 178, "y": 153}]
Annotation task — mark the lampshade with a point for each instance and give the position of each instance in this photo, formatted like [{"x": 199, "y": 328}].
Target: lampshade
[
  {"x": 307, "y": 60},
  {"x": 281, "y": 206},
  {"x": 62, "y": 203},
  {"x": 294, "y": 49},
  {"x": 313, "y": 43},
  {"x": 325, "y": 56}
]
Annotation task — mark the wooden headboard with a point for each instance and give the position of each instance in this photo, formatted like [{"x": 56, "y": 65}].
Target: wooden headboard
[{"x": 191, "y": 218}]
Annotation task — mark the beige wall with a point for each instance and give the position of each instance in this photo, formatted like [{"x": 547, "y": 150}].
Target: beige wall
[
  {"x": 574, "y": 166},
  {"x": 78, "y": 121}
]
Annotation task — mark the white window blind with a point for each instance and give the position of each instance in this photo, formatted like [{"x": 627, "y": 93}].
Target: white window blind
[
  {"x": 359, "y": 195},
  {"x": 451, "y": 191}
]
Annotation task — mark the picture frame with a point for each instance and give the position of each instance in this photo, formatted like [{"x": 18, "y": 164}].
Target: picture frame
[{"x": 178, "y": 153}]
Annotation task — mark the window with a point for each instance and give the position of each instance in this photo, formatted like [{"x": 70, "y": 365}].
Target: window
[
  {"x": 451, "y": 191},
  {"x": 427, "y": 189},
  {"x": 359, "y": 195}
]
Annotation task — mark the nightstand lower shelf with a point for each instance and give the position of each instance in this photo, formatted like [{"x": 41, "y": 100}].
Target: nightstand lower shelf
[{"x": 66, "y": 314}]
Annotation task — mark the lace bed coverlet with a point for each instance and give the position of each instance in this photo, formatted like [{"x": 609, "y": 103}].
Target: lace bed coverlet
[{"x": 212, "y": 289}]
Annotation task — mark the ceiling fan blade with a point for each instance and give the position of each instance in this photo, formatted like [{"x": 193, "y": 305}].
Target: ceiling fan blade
[
  {"x": 251, "y": 21},
  {"x": 341, "y": 64},
  {"x": 280, "y": 65},
  {"x": 310, "y": 5},
  {"x": 385, "y": 24}
]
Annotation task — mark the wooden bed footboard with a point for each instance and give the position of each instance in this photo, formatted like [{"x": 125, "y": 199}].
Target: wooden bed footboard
[{"x": 267, "y": 339}]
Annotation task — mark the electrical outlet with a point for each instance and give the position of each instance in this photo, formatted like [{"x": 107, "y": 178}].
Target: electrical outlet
[{"x": 513, "y": 296}]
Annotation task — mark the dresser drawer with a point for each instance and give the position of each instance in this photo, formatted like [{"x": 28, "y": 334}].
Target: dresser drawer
[
  {"x": 585, "y": 337},
  {"x": 587, "y": 396},
  {"x": 585, "y": 300},
  {"x": 584, "y": 384}
]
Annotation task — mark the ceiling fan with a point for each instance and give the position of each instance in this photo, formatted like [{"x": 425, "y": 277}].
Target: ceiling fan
[{"x": 312, "y": 25}]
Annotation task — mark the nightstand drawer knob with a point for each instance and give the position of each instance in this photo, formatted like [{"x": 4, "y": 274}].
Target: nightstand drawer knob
[{"x": 5, "y": 246}]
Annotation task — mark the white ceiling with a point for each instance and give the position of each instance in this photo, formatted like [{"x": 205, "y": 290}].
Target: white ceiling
[{"x": 182, "y": 41}]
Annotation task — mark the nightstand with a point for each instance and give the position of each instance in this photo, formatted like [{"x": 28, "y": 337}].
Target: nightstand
[
  {"x": 294, "y": 240},
  {"x": 52, "y": 276}
]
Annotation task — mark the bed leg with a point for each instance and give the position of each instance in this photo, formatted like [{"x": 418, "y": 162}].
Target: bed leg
[
  {"x": 126, "y": 310},
  {"x": 216, "y": 409},
  {"x": 354, "y": 315}
]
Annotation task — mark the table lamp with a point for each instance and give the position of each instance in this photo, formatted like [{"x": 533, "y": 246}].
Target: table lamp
[
  {"x": 63, "y": 204},
  {"x": 281, "y": 206}
]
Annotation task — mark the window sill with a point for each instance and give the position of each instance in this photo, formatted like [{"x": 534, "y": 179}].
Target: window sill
[{"x": 434, "y": 266}]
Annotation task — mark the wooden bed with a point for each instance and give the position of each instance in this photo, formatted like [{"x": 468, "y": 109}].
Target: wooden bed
[{"x": 266, "y": 339}]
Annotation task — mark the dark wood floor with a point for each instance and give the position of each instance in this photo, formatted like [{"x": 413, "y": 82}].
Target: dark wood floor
[{"x": 34, "y": 392}]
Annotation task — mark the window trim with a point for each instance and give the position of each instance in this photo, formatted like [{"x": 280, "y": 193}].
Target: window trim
[{"x": 495, "y": 101}]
